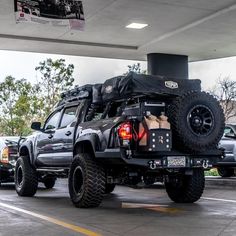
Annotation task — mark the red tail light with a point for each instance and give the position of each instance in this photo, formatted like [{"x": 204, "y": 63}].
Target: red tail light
[{"x": 125, "y": 131}]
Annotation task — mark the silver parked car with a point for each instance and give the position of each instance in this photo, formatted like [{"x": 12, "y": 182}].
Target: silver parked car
[{"x": 227, "y": 167}]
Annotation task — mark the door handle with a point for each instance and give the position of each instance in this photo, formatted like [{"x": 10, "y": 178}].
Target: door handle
[
  {"x": 68, "y": 133},
  {"x": 50, "y": 136}
]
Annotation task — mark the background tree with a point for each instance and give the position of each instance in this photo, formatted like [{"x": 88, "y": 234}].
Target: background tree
[
  {"x": 18, "y": 106},
  {"x": 22, "y": 102},
  {"x": 225, "y": 92},
  {"x": 55, "y": 77},
  {"x": 136, "y": 68}
]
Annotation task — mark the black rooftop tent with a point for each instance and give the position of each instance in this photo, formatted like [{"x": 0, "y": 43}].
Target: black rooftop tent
[
  {"x": 140, "y": 84},
  {"x": 128, "y": 86}
]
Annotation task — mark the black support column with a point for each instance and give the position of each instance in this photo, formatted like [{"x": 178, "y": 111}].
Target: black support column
[{"x": 169, "y": 65}]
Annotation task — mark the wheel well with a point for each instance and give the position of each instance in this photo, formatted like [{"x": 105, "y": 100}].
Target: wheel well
[
  {"x": 24, "y": 151},
  {"x": 84, "y": 147}
]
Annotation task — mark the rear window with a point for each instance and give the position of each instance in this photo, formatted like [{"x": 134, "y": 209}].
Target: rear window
[{"x": 94, "y": 112}]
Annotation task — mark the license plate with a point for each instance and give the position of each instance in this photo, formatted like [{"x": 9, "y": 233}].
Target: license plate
[{"x": 173, "y": 161}]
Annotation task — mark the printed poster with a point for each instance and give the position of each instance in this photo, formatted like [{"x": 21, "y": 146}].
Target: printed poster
[{"x": 59, "y": 13}]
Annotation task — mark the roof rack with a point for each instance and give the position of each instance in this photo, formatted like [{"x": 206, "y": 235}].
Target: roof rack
[
  {"x": 130, "y": 86},
  {"x": 77, "y": 93}
]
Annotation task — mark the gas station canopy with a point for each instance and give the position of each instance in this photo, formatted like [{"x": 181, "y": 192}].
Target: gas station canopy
[{"x": 201, "y": 29}]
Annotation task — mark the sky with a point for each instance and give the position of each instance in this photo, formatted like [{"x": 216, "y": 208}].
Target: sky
[
  {"x": 97, "y": 70},
  {"x": 87, "y": 69},
  {"x": 210, "y": 71}
]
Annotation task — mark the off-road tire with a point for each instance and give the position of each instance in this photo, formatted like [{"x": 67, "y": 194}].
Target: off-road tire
[
  {"x": 225, "y": 172},
  {"x": 86, "y": 181},
  {"x": 49, "y": 182},
  {"x": 109, "y": 188},
  {"x": 186, "y": 188},
  {"x": 197, "y": 121},
  {"x": 26, "y": 179}
]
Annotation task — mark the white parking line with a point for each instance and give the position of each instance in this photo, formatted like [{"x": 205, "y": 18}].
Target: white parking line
[{"x": 218, "y": 199}]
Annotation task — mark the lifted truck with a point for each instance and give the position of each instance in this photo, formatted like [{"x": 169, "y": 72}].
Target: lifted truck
[{"x": 131, "y": 130}]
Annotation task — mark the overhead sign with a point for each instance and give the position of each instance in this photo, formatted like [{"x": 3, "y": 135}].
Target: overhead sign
[{"x": 59, "y": 13}]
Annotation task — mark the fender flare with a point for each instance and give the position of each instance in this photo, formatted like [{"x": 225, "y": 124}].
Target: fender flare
[
  {"x": 92, "y": 139},
  {"x": 27, "y": 146}
]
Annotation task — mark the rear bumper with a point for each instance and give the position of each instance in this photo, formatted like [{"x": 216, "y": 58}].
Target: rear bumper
[{"x": 159, "y": 160}]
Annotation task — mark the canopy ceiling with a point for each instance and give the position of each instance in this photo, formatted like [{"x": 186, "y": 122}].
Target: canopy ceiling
[{"x": 202, "y": 29}]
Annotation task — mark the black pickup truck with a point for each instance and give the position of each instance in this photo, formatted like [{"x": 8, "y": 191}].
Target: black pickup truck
[{"x": 130, "y": 130}]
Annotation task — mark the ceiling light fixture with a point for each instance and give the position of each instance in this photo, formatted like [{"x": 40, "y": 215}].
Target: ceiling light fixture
[{"x": 136, "y": 26}]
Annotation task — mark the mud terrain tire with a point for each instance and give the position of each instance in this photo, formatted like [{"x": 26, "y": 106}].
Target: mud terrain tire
[
  {"x": 225, "y": 172},
  {"x": 86, "y": 181},
  {"x": 197, "y": 121},
  {"x": 186, "y": 188},
  {"x": 26, "y": 180}
]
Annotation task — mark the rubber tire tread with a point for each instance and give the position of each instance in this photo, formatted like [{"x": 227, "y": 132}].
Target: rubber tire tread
[
  {"x": 225, "y": 172},
  {"x": 30, "y": 178},
  {"x": 190, "y": 190},
  {"x": 183, "y": 138},
  {"x": 94, "y": 181},
  {"x": 109, "y": 188}
]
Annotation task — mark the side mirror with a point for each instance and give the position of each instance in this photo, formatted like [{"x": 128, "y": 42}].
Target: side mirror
[
  {"x": 36, "y": 126},
  {"x": 230, "y": 135}
]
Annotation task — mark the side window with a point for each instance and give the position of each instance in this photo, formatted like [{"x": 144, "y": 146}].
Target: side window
[
  {"x": 52, "y": 122},
  {"x": 68, "y": 116}
]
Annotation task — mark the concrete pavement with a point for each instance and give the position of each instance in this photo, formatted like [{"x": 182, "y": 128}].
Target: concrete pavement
[{"x": 131, "y": 212}]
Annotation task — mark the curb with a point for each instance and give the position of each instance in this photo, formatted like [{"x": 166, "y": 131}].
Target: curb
[{"x": 219, "y": 182}]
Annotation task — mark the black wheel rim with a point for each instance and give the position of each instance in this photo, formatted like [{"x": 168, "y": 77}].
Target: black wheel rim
[
  {"x": 19, "y": 176},
  {"x": 78, "y": 181},
  {"x": 200, "y": 120}
]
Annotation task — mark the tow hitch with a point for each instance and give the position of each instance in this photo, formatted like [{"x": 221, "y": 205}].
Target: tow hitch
[
  {"x": 154, "y": 164},
  {"x": 205, "y": 164}
]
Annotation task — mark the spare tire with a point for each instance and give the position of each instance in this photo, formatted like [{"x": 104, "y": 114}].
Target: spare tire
[{"x": 197, "y": 121}]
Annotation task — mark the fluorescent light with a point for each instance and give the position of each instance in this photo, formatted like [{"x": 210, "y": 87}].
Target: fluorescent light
[{"x": 136, "y": 26}]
